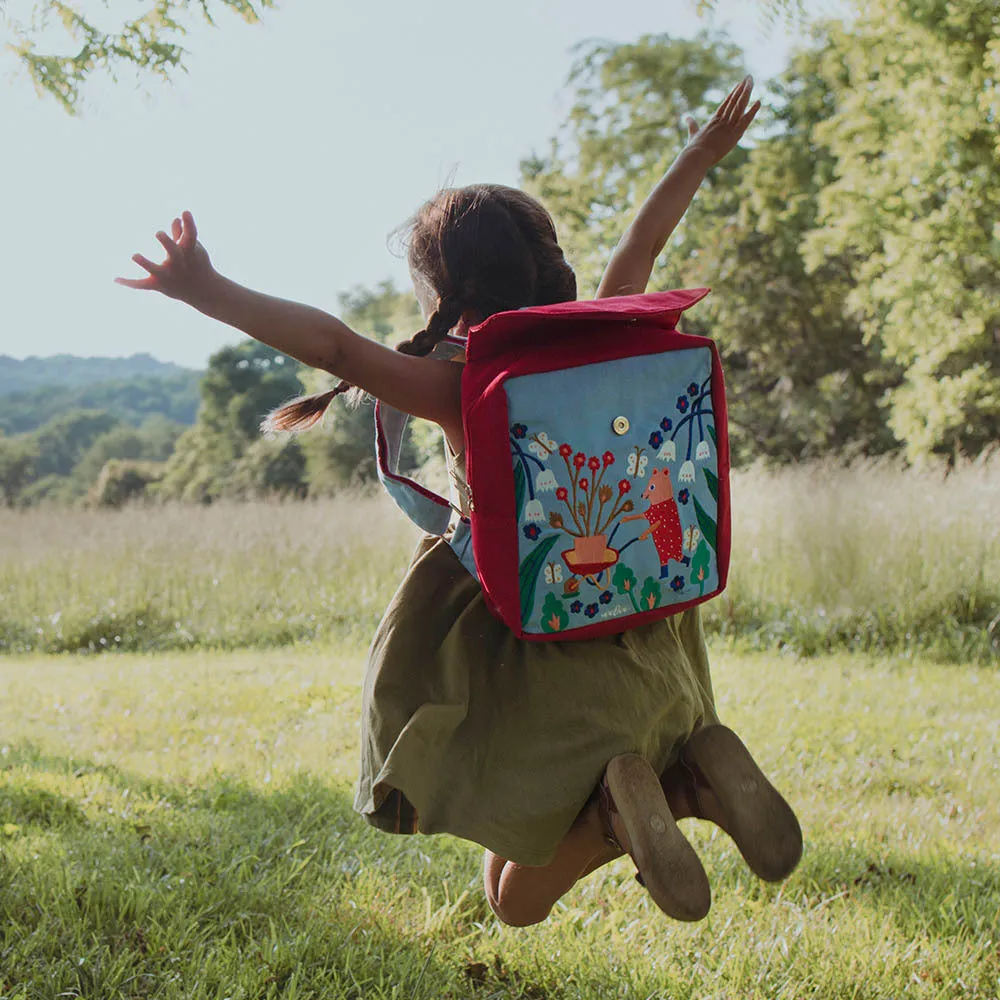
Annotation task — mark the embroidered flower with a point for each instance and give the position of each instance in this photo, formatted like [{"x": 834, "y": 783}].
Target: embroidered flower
[
  {"x": 682, "y": 404},
  {"x": 624, "y": 486},
  {"x": 533, "y": 511},
  {"x": 702, "y": 452},
  {"x": 655, "y": 439},
  {"x": 628, "y": 507},
  {"x": 545, "y": 482},
  {"x": 609, "y": 458},
  {"x": 666, "y": 424},
  {"x": 605, "y": 598},
  {"x": 668, "y": 452},
  {"x": 532, "y": 531},
  {"x": 677, "y": 584},
  {"x": 579, "y": 460},
  {"x": 687, "y": 472},
  {"x": 593, "y": 463},
  {"x": 591, "y": 610},
  {"x": 565, "y": 450},
  {"x": 584, "y": 483},
  {"x": 572, "y": 586},
  {"x": 684, "y": 496},
  {"x": 605, "y": 493},
  {"x": 519, "y": 430},
  {"x": 555, "y": 520},
  {"x": 562, "y": 493},
  {"x": 693, "y": 389},
  {"x": 576, "y": 607}
]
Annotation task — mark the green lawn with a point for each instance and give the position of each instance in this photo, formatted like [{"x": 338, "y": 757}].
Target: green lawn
[{"x": 180, "y": 825}]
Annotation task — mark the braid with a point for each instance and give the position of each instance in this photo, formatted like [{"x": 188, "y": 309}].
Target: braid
[
  {"x": 307, "y": 411},
  {"x": 442, "y": 321}
]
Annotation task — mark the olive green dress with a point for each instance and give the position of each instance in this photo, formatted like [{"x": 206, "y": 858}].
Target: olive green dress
[{"x": 471, "y": 731}]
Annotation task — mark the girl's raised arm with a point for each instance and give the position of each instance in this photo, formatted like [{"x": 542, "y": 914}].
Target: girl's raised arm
[
  {"x": 632, "y": 262},
  {"x": 423, "y": 387}
]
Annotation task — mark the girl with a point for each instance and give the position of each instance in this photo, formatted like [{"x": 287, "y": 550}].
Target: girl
[{"x": 557, "y": 757}]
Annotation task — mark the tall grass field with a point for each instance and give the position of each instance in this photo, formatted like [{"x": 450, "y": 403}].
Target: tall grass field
[{"x": 872, "y": 558}]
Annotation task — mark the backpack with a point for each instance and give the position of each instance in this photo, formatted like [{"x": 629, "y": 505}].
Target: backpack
[{"x": 597, "y": 462}]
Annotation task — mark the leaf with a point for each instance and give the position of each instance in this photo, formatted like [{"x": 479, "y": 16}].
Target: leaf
[
  {"x": 528, "y": 573},
  {"x": 520, "y": 489},
  {"x": 711, "y": 431},
  {"x": 713, "y": 483},
  {"x": 706, "y": 523}
]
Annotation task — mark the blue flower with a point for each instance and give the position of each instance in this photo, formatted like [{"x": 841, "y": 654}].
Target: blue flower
[
  {"x": 677, "y": 584},
  {"x": 655, "y": 439},
  {"x": 576, "y": 607},
  {"x": 682, "y": 404},
  {"x": 684, "y": 496},
  {"x": 590, "y": 610},
  {"x": 519, "y": 430},
  {"x": 693, "y": 389},
  {"x": 605, "y": 598},
  {"x": 532, "y": 531},
  {"x": 667, "y": 424}
]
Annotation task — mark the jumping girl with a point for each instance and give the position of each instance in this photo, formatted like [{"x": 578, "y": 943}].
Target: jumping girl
[{"x": 556, "y": 756}]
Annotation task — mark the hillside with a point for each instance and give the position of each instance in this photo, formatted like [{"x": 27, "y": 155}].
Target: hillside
[{"x": 68, "y": 370}]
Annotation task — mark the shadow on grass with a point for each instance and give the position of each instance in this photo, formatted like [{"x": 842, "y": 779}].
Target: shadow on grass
[{"x": 112, "y": 884}]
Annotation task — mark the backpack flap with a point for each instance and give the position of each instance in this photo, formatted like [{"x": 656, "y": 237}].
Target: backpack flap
[{"x": 598, "y": 462}]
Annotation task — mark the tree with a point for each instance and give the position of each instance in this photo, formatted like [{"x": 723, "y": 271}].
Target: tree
[
  {"x": 149, "y": 43},
  {"x": 622, "y": 133},
  {"x": 801, "y": 381},
  {"x": 242, "y": 384},
  {"x": 18, "y": 457},
  {"x": 915, "y": 202}
]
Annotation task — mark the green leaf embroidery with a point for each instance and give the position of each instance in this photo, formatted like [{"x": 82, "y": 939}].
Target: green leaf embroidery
[
  {"x": 531, "y": 566},
  {"x": 650, "y": 596},
  {"x": 713, "y": 484},
  {"x": 711, "y": 430},
  {"x": 706, "y": 523},
  {"x": 624, "y": 582},
  {"x": 700, "y": 566},
  {"x": 554, "y": 617}
]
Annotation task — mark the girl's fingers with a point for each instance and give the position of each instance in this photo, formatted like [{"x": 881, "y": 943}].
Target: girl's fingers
[
  {"x": 149, "y": 282},
  {"x": 749, "y": 116},
  {"x": 738, "y": 96},
  {"x": 730, "y": 98},
  {"x": 146, "y": 264},
  {"x": 190, "y": 236},
  {"x": 692, "y": 126},
  {"x": 173, "y": 252},
  {"x": 176, "y": 229}
]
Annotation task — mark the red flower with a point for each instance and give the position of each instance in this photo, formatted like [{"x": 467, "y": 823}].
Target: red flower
[
  {"x": 609, "y": 459},
  {"x": 579, "y": 460},
  {"x": 583, "y": 485},
  {"x": 562, "y": 493},
  {"x": 624, "y": 486},
  {"x": 565, "y": 450},
  {"x": 593, "y": 464}
]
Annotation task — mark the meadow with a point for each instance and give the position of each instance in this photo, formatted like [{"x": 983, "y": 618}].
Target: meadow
[
  {"x": 871, "y": 558},
  {"x": 180, "y": 825}
]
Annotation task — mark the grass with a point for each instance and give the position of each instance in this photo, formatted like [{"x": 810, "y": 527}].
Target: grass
[
  {"x": 872, "y": 558},
  {"x": 179, "y": 825}
]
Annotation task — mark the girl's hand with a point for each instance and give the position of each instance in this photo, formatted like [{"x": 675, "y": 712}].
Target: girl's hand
[
  {"x": 187, "y": 273},
  {"x": 726, "y": 127}
]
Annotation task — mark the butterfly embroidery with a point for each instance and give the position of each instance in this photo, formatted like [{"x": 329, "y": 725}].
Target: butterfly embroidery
[
  {"x": 636, "y": 464},
  {"x": 542, "y": 445},
  {"x": 692, "y": 536},
  {"x": 553, "y": 573}
]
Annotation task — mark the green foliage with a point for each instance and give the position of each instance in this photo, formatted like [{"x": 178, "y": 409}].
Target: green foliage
[
  {"x": 554, "y": 617},
  {"x": 133, "y": 400},
  {"x": 18, "y": 461},
  {"x": 623, "y": 131},
  {"x": 149, "y": 42},
  {"x": 914, "y": 203},
  {"x": 221, "y": 455},
  {"x": 68, "y": 371},
  {"x": 122, "y": 481},
  {"x": 64, "y": 440}
]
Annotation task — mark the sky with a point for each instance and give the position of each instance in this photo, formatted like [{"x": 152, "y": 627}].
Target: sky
[{"x": 299, "y": 144}]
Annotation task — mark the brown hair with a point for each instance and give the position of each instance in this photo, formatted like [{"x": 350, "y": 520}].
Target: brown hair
[{"x": 480, "y": 249}]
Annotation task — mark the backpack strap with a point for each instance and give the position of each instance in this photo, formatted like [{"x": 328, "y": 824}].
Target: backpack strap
[{"x": 424, "y": 507}]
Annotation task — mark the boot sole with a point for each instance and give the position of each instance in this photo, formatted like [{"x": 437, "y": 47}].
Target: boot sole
[
  {"x": 670, "y": 869},
  {"x": 759, "y": 820}
]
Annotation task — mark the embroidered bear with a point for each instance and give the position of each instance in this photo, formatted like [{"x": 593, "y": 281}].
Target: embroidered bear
[{"x": 664, "y": 519}]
